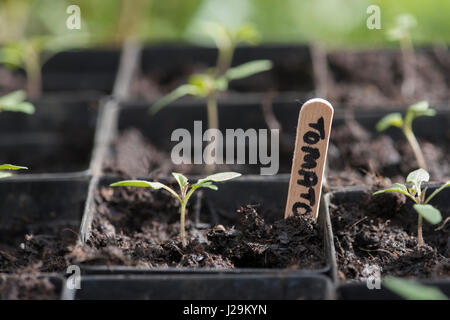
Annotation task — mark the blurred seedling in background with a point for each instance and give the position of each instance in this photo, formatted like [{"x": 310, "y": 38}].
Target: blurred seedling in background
[
  {"x": 411, "y": 290},
  {"x": 14, "y": 102},
  {"x": 33, "y": 33},
  {"x": 401, "y": 32},
  {"x": 206, "y": 85},
  {"x": 405, "y": 124},
  {"x": 186, "y": 190},
  {"x": 421, "y": 203}
]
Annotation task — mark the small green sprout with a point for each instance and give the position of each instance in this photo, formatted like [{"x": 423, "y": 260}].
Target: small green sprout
[
  {"x": 411, "y": 290},
  {"x": 401, "y": 32},
  {"x": 206, "y": 85},
  {"x": 15, "y": 102},
  {"x": 4, "y": 167},
  {"x": 416, "y": 194},
  {"x": 186, "y": 190},
  {"x": 395, "y": 120}
]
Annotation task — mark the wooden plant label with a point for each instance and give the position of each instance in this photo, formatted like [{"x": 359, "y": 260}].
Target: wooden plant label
[{"x": 311, "y": 145}]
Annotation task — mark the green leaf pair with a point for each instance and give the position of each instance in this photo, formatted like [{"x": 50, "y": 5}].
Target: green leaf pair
[
  {"x": 185, "y": 193},
  {"x": 201, "y": 85},
  {"x": 416, "y": 178},
  {"x": 414, "y": 111}
]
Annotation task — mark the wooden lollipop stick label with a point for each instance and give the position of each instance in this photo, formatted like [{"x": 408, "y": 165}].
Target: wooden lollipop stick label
[{"x": 311, "y": 145}]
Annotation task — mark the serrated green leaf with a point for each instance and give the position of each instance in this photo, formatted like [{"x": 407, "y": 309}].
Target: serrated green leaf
[
  {"x": 181, "y": 179},
  {"x": 176, "y": 94},
  {"x": 219, "y": 177},
  {"x": 12, "y": 167},
  {"x": 418, "y": 176},
  {"x": 248, "y": 69},
  {"x": 429, "y": 213},
  {"x": 393, "y": 119},
  {"x": 412, "y": 290}
]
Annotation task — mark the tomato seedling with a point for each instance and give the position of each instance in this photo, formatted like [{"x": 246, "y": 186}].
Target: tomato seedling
[
  {"x": 206, "y": 85},
  {"x": 405, "y": 124},
  {"x": 416, "y": 194},
  {"x": 186, "y": 190}
]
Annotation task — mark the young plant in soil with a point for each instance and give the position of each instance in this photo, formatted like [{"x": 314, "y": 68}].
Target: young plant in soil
[
  {"x": 401, "y": 32},
  {"x": 186, "y": 190},
  {"x": 207, "y": 85},
  {"x": 405, "y": 124},
  {"x": 416, "y": 194},
  {"x": 14, "y": 102}
]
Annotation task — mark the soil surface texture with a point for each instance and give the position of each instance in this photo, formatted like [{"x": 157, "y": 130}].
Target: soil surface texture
[
  {"x": 27, "y": 287},
  {"x": 137, "y": 227},
  {"x": 357, "y": 157},
  {"x": 382, "y": 231},
  {"x": 362, "y": 79}
]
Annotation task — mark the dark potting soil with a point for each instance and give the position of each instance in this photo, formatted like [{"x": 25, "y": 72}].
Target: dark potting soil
[
  {"x": 27, "y": 287},
  {"x": 356, "y": 156},
  {"x": 38, "y": 248},
  {"x": 382, "y": 231},
  {"x": 137, "y": 227},
  {"x": 135, "y": 156},
  {"x": 374, "y": 78}
]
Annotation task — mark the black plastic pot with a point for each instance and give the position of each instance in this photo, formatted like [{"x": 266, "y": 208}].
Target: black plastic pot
[
  {"x": 292, "y": 67},
  {"x": 158, "y": 128},
  {"x": 370, "y": 78},
  {"x": 267, "y": 193},
  {"x": 80, "y": 70},
  {"x": 58, "y": 138},
  {"x": 34, "y": 292},
  {"x": 435, "y": 130},
  {"x": 353, "y": 289},
  {"x": 39, "y": 207},
  {"x": 202, "y": 286}
]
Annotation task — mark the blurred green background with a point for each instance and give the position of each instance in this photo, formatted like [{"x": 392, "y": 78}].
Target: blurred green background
[{"x": 334, "y": 23}]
